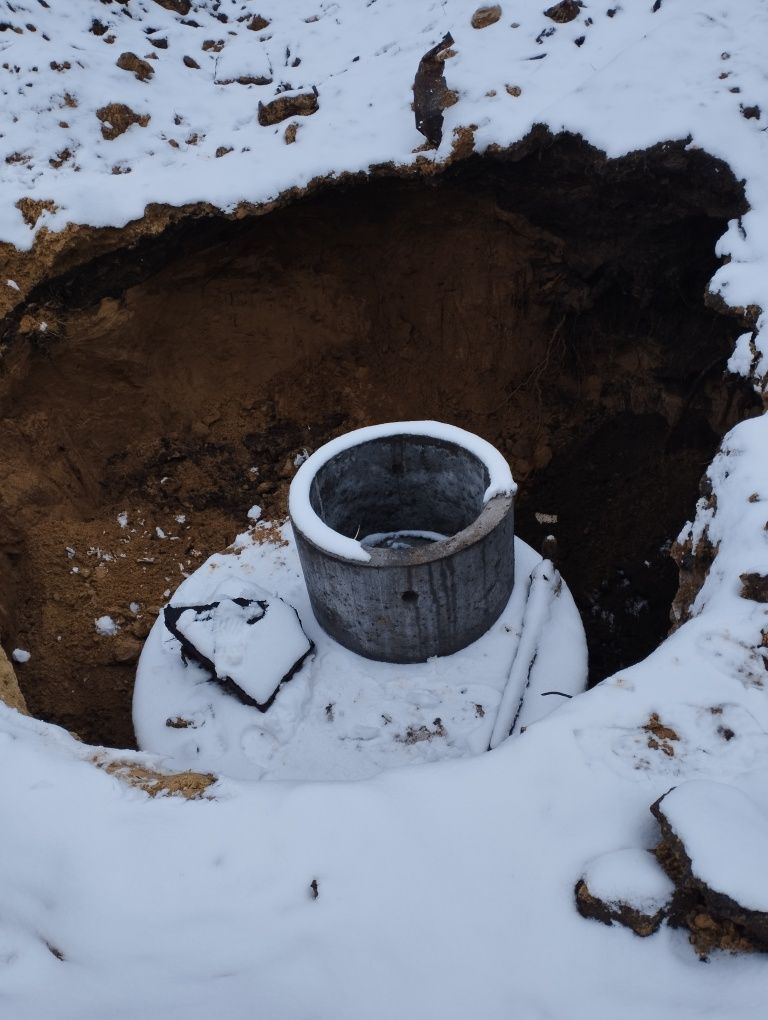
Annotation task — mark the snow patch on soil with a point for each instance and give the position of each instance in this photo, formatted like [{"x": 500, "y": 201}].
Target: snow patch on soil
[{"x": 106, "y": 626}]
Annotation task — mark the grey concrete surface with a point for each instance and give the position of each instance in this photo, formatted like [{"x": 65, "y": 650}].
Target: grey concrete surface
[{"x": 405, "y": 605}]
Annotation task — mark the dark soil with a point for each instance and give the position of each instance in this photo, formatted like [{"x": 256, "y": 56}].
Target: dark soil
[{"x": 551, "y": 301}]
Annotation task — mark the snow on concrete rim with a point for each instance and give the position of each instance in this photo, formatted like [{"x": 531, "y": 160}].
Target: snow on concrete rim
[{"x": 501, "y": 482}]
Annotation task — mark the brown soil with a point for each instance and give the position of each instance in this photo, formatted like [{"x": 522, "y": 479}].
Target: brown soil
[
  {"x": 552, "y": 302},
  {"x": 116, "y": 118},
  {"x": 660, "y": 737},
  {"x": 10, "y": 692},
  {"x": 142, "y": 69},
  {"x": 755, "y": 587},
  {"x": 191, "y": 785},
  {"x": 563, "y": 12},
  {"x": 485, "y": 16},
  {"x": 280, "y": 109}
]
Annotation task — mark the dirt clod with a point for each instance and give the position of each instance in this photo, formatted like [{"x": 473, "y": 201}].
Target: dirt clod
[
  {"x": 246, "y": 79},
  {"x": 32, "y": 209},
  {"x": 182, "y": 7},
  {"x": 485, "y": 16},
  {"x": 284, "y": 106},
  {"x": 125, "y": 649},
  {"x": 63, "y": 156},
  {"x": 141, "y": 69},
  {"x": 431, "y": 95},
  {"x": 417, "y": 734},
  {"x": 589, "y": 905},
  {"x": 565, "y": 11},
  {"x": 660, "y": 737},
  {"x": 116, "y": 118},
  {"x": 179, "y": 723},
  {"x": 713, "y": 919},
  {"x": 754, "y": 586}
]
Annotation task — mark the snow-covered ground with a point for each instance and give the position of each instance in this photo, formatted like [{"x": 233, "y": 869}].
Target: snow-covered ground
[{"x": 444, "y": 889}]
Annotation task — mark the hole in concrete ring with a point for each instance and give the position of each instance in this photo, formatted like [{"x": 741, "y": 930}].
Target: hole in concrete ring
[
  {"x": 410, "y": 596},
  {"x": 438, "y": 491}
]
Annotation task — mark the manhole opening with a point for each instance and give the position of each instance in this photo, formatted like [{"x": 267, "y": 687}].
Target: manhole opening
[{"x": 400, "y": 491}]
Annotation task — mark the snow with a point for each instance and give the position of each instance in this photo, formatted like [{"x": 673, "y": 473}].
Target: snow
[
  {"x": 254, "y": 645},
  {"x": 341, "y": 716},
  {"x": 254, "y": 513},
  {"x": 630, "y": 876},
  {"x": 21, "y": 655},
  {"x": 542, "y": 588},
  {"x": 243, "y": 57},
  {"x": 736, "y": 528},
  {"x": 122, "y": 518},
  {"x": 106, "y": 626},
  {"x": 313, "y": 528},
  {"x": 450, "y": 884},
  {"x": 444, "y": 889},
  {"x": 725, "y": 834}
]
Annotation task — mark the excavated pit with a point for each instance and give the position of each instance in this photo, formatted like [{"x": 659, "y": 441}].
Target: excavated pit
[{"x": 547, "y": 299}]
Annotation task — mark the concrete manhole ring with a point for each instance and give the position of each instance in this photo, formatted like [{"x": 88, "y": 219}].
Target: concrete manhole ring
[{"x": 406, "y": 537}]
